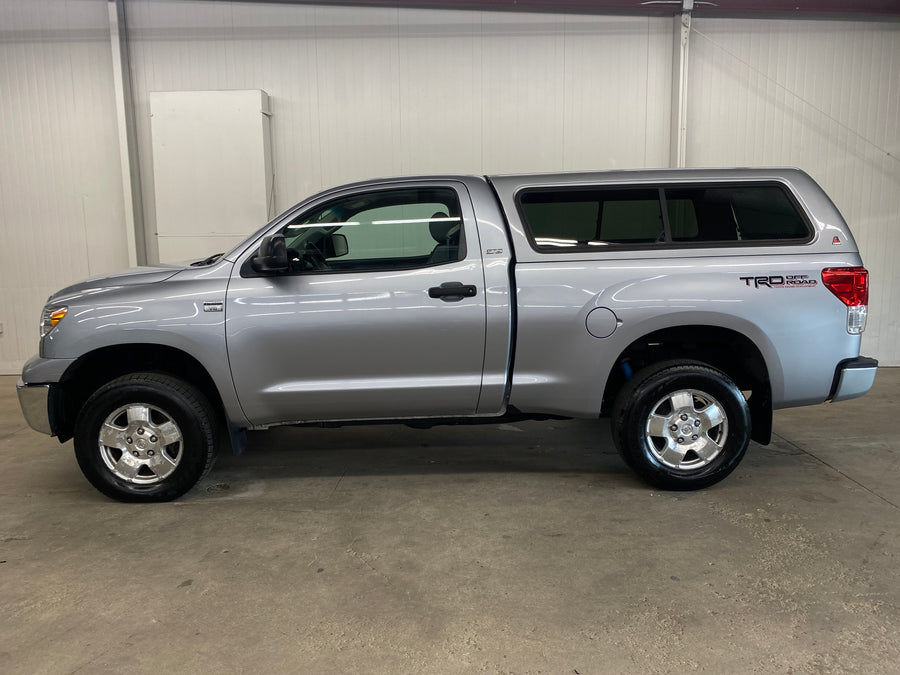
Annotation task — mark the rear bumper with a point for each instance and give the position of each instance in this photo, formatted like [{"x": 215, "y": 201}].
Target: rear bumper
[
  {"x": 853, "y": 378},
  {"x": 33, "y": 401}
]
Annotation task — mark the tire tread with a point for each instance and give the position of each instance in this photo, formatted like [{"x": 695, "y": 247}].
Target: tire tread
[
  {"x": 204, "y": 419},
  {"x": 635, "y": 457}
]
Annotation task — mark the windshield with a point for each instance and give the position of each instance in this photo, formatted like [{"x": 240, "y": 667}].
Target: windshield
[{"x": 236, "y": 251}]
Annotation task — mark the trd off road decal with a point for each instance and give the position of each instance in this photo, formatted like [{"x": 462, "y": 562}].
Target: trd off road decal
[{"x": 780, "y": 281}]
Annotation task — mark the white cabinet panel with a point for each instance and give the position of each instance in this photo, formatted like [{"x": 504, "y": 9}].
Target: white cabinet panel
[{"x": 212, "y": 169}]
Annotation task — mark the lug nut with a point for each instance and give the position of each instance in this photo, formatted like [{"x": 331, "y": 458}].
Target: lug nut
[
  {"x": 674, "y": 427},
  {"x": 135, "y": 453},
  {"x": 696, "y": 423},
  {"x": 683, "y": 418},
  {"x": 141, "y": 431},
  {"x": 128, "y": 440},
  {"x": 153, "y": 439},
  {"x": 151, "y": 453},
  {"x": 680, "y": 439},
  {"x": 693, "y": 438}
]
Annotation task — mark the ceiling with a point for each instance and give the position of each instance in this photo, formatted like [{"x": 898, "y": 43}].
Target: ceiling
[{"x": 778, "y": 8}]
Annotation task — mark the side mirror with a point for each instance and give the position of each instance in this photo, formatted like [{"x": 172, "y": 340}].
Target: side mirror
[
  {"x": 272, "y": 256},
  {"x": 334, "y": 246}
]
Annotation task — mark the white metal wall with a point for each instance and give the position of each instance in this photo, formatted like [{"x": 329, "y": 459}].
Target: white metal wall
[
  {"x": 364, "y": 92},
  {"x": 61, "y": 206},
  {"x": 823, "y": 96},
  {"x": 359, "y": 93}
]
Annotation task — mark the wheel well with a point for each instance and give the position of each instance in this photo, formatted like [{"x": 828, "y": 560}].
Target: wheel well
[
  {"x": 729, "y": 351},
  {"x": 93, "y": 370}
]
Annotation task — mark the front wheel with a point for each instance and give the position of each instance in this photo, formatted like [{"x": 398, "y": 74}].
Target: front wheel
[
  {"x": 681, "y": 425},
  {"x": 145, "y": 437}
]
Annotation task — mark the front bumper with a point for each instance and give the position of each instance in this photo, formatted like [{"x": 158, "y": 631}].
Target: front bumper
[
  {"x": 33, "y": 389},
  {"x": 853, "y": 378},
  {"x": 33, "y": 400}
]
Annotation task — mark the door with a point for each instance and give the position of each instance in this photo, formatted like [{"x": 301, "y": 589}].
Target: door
[{"x": 380, "y": 315}]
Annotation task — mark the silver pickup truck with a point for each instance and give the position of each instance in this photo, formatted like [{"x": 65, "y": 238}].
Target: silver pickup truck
[{"x": 684, "y": 304}]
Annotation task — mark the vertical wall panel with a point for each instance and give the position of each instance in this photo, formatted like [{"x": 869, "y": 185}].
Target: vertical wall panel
[
  {"x": 523, "y": 90},
  {"x": 365, "y": 92},
  {"x": 618, "y": 93},
  {"x": 440, "y": 53},
  {"x": 358, "y": 85},
  {"x": 61, "y": 208},
  {"x": 823, "y": 96}
]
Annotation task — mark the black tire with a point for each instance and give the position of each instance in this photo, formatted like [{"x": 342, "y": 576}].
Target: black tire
[
  {"x": 158, "y": 438},
  {"x": 656, "y": 409}
]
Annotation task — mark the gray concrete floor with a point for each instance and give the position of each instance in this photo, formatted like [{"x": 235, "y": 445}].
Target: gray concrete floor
[{"x": 525, "y": 548}]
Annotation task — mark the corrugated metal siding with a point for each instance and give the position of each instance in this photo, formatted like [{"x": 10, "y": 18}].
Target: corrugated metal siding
[
  {"x": 61, "y": 203},
  {"x": 363, "y": 92},
  {"x": 823, "y": 96}
]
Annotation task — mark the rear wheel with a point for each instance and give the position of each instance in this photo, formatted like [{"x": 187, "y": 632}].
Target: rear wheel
[
  {"x": 681, "y": 425},
  {"x": 145, "y": 437}
]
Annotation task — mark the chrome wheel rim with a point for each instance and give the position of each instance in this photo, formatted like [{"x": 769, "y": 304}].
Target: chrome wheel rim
[
  {"x": 686, "y": 429},
  {"x": 140, "y": 443}
]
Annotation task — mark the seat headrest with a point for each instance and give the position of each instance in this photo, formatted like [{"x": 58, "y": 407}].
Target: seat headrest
[{"x": 442, "y": 229}]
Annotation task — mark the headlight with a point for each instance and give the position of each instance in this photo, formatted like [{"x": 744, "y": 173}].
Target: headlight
[{"x": 51, "y": 316}]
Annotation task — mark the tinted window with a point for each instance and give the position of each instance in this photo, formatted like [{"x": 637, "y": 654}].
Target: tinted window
[
  {"x": 740, "y": 213},
  {"x": 558, "y": 219},
  {"x": 387, "y": 229},
  {"x": 682, "y": 218},
  {"x": 586, "y": 218}
]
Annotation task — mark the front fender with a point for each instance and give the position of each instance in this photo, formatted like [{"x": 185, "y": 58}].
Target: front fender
[{"x": 185, "y": 313}]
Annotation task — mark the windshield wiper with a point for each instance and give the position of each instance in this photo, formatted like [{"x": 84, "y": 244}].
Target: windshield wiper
[{"x": 207, "y": 261}]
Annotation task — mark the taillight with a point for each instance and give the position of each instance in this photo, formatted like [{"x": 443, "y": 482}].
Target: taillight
[{"x": 851, "y": 286}]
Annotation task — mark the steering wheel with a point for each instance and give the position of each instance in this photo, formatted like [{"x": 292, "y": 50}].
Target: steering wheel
[
  {"x": 307, "y": 260},
  {"x": 314, "y": 259}
]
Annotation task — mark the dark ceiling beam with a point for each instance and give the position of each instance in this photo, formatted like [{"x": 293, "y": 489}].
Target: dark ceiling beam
[{"x": 847, "y": 9}]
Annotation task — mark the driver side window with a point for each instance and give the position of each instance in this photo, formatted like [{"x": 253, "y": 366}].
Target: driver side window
[{"x": 385, "y": 229}]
